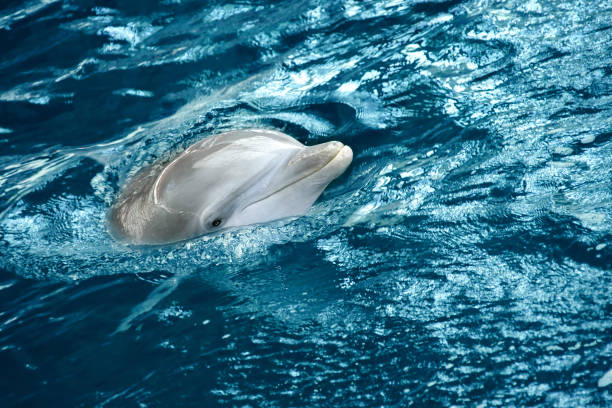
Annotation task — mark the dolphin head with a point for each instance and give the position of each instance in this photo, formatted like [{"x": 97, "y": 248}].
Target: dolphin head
[{"x": 232, "y": 179}]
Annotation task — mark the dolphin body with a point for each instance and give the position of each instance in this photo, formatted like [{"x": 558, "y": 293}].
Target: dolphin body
[{"x": 236, "y": 178}]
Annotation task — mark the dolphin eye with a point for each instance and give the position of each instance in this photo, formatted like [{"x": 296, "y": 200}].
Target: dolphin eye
[{"x": 216, "y": 222}]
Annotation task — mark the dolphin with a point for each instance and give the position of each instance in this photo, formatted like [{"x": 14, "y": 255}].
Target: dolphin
[{"x": 227, "y": 180}]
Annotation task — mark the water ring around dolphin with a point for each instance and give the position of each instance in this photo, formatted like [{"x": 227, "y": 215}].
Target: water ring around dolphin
[{"x": 231, "y": 179}]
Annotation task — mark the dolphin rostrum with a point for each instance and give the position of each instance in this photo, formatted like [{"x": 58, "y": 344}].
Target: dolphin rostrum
[{"x": 236, "y": 178}]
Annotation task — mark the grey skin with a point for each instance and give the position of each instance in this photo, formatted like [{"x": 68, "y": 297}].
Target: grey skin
[{"x": 231, "y": 179}]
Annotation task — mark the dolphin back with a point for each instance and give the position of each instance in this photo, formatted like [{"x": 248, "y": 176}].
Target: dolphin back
[{"x": 135, "y": 217}]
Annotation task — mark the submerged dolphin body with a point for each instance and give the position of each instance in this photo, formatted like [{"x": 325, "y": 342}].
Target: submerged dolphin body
[{"x": 236, "y": 178}]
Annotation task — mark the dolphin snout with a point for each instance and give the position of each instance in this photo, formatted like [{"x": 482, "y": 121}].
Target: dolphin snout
[
  {"x": 333, "y": 146},
  {"x": 316, "y": 157}
]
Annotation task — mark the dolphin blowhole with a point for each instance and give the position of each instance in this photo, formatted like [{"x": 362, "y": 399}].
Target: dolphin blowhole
[{"x": 231, "y": 179}]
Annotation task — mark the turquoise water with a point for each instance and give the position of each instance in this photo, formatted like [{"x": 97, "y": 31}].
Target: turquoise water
[{"x": 464, "y": 259}]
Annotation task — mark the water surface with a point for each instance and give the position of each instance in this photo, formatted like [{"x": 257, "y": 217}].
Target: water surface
[{"x": 464, "y": 259}]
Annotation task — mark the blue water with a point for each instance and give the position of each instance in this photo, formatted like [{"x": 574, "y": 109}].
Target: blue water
[{"x": 464, "y": 259}]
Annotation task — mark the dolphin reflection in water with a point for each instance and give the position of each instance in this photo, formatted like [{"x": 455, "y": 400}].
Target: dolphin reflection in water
[{"x": 231, "y": 179}]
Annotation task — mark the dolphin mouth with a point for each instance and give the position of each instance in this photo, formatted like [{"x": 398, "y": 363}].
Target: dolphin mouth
[
  {"x": 340, "y": 150},
  {"x": 317, "y": 156},
  {"x": 342, "y": 153}
]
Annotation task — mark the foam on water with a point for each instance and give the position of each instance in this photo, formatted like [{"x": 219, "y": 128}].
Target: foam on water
[{"x": 463, "y": 259}]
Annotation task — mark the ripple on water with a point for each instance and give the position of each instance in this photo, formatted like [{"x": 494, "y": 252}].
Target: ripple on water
[{"x": 463, "y": 259}]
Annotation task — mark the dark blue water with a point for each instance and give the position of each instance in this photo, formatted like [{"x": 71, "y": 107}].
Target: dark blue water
[{"x": 464, "y": 259}]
